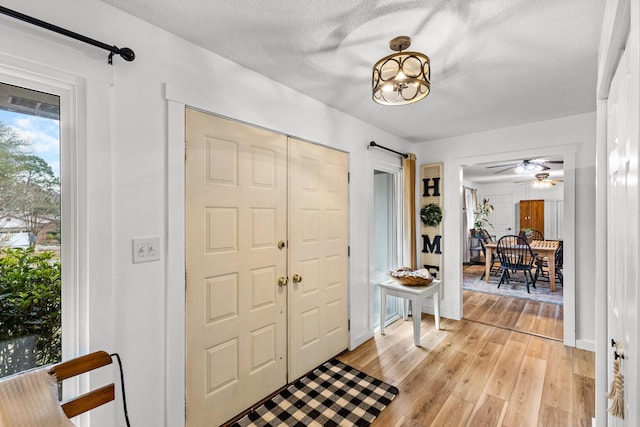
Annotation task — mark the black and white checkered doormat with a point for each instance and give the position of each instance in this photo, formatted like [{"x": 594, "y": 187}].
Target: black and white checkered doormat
[{"x": 334, "y": 394}]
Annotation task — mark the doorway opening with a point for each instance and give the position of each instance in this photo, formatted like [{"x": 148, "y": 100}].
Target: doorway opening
[{"x": 487, "y": 298}]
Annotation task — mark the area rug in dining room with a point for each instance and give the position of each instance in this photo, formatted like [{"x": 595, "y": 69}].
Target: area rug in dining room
[
  {"x": 333, "y": 394},
  {"x": 516, "y": 288}
]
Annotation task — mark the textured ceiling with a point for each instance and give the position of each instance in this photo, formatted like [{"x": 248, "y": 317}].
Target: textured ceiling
[{"x": 495, "y": 63}]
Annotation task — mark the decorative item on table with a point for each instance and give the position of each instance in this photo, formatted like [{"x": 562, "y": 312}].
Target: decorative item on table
[{"x": 408, "y": 277}]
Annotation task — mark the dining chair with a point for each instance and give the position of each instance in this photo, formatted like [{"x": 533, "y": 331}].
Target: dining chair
[
  {"x": 495, "y": 262},
  {"x": 484, "y": 238},
  {"x": 484, "y": 234},
  {"x": 536, "y": 235},
  {"x": 515, "y": 255},
  {"x": 542, "y": 267}
]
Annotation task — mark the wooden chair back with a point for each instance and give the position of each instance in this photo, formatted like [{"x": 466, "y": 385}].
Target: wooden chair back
[
  {"x": 80, "y": 365},
  {"x": 486, "y": 236},
  {"x": 514, "y": 253},
  {"x": 536, "y": 235}
]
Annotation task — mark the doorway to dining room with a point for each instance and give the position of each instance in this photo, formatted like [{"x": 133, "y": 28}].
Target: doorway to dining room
[{"x": 509, "y": 185}]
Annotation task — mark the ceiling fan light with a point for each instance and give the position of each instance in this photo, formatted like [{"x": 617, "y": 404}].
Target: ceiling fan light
[
  {"x": 520, "y": 169},
  {"x": 401, "y": 78},
  {"x": 542, "y": 183}
]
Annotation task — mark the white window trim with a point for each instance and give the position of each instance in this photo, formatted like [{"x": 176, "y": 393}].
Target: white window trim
[
  {"x": 79, "y": 277},
  {"x": 68, "y": 178}
]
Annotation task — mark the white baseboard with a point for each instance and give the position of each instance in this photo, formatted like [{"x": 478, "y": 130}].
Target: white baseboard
[{"x": 359, "y": 340}]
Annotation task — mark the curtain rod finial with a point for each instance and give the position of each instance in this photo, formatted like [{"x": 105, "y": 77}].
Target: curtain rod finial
[{"x": 127, "y": 54}]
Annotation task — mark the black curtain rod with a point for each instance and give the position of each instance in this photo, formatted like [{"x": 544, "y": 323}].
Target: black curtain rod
[
  {"x": 373, "y": 144},
  {"x": 126, "y": 53}
]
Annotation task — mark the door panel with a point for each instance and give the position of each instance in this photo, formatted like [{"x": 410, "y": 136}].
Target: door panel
[
  {"x": 502, "y": 218},
  {"x": 235, "y": 311},
  {"x": 318, "y": 227},
  {"x": 622, "y": 232},
  {"x": 236, "y": 215}
]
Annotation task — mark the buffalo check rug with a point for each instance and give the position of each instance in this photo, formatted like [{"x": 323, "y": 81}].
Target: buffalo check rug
[{"x": 333, "y": 394}]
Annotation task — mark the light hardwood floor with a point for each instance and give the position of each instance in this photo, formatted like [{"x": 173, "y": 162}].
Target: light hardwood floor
[
  {"x": 472, "y": 374},
  {"x": 515, "y": 314}
]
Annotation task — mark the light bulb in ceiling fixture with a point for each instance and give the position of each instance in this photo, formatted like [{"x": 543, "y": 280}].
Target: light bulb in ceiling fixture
[
  {"x": 388, "y": 88},
  {"x": 542, "y": 184}
]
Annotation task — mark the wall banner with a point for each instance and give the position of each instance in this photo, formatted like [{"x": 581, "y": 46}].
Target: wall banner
[{"x": 431, "y": 237}]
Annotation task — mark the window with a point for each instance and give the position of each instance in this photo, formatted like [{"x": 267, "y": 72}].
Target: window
[{"x": 30, "y": 229}]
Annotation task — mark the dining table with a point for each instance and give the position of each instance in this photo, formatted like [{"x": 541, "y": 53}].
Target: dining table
[{"x": 542, "y": 248}]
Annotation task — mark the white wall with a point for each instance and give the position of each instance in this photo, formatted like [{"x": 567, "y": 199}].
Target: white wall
[
  {"x": 578, "y": 130},
  {"x": 127, "y": 303},
  {"x": 521, "y": 191},
  {"x": 518, "y": 192}
]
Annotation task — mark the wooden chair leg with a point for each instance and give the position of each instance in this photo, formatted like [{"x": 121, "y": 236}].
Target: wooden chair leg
[
  {"x": 504, "y": 276},
  {"x": 538, "y": 268},
  {"x": 533, "y": 280}
]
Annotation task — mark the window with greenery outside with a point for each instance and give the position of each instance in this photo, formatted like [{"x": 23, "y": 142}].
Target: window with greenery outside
[
  {"x": 30, "y": 281},
  {"x": 30, "y": 315}
]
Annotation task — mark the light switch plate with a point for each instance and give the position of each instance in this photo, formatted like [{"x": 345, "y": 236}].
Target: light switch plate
[{"x": 146, "y": 249}]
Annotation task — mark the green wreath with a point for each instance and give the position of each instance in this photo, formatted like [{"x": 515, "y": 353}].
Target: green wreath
[{"x": 431, "y": 215}]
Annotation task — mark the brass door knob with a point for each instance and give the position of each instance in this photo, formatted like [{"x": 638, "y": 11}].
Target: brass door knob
[
  {"x": 297, "y": 278},
  {"x": 281, "y": 244},
  {"x": 282, "y": 281}
]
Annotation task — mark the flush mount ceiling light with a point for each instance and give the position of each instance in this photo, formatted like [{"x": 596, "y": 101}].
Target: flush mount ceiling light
[{"x": 403, "y": 77}]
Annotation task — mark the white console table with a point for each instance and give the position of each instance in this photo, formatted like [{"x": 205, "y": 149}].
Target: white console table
[{"x": 415, "y": 294}]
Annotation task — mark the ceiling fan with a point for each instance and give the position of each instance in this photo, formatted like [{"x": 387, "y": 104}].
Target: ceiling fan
[
  {"x": 526, "y": 166},
  {"x": 542, "y": 181}
]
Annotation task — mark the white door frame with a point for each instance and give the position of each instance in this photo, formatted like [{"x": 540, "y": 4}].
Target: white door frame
[
  {"x": 621, "y": 20},
  {"x": 568, "y": 153},
  {"x": 178, "y": 98}
]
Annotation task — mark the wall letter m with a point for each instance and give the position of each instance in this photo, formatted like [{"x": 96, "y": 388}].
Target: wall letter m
[{"x": 431, "y": 247}]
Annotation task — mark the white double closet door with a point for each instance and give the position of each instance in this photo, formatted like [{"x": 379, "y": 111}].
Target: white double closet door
[{"x": 266, "y": 263}]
